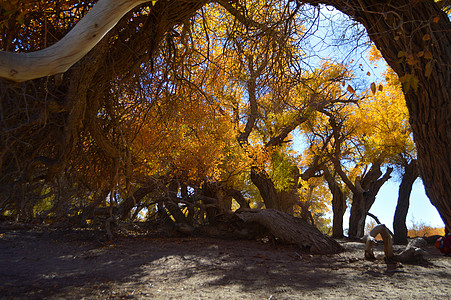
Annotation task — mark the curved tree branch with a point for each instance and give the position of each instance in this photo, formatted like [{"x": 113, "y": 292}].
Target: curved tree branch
[{"x": 59, "y": 57}]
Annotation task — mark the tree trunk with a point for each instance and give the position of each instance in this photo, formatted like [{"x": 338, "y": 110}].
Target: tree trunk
[
  {"x": 364, "y": 197},
  {"x": 399, "y": 220},
  {"x": 357, "y": 216},
  {"x": 338, "y": 204},
  {"x": 265, "y": 186},
  {"x": 403, "y": 30},
  {"x": 291, "y": 230},
  {"x": 126, "y": 205},
  {"x": 238, "y": 196}
]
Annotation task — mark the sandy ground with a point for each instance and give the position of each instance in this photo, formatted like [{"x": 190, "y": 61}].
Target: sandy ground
[{"x": 73, "y": 264}]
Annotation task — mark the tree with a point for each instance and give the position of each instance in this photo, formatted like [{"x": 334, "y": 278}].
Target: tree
[
  {"x": 392, "y": 126},
  {"x": 417, "y": 48},
  {"x": 399, "y": 220},
  {"x": 422, "y": 27}
]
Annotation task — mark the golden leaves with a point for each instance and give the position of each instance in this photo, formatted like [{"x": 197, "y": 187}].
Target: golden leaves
[{"x": 350, "y": 89}]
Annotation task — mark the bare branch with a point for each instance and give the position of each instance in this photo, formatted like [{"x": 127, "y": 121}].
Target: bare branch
[{"x": 59, "y": 57}]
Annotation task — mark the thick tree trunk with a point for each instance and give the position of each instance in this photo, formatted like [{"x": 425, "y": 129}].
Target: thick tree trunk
[
  {"x": 399, "y": 220},
  {"x": 265, "y": 186},
  {"x": 338, "y": 204},
  {"x": 404, "y": 30},
  {"x": 291, "y": 230},
  {"x": 357, "y": 217},
  {"x": 364, "y": 197}
]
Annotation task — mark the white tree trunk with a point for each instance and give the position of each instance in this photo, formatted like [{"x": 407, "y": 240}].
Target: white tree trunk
[{"x": 77, "y": 43}]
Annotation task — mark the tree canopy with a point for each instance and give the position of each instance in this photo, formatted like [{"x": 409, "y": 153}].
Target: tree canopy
[{"x": 174, "y": 108}]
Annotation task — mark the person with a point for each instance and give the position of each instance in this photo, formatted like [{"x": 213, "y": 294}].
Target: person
[{"x": 444, "y": 243}]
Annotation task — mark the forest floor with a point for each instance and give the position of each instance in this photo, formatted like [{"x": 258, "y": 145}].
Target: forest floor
[{"x": 37, "y": 263}]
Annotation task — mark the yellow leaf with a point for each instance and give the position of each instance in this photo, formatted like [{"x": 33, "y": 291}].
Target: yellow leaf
[
  {"x": 436, "y": 19},
  {"x": 426, "y": 37},
  {"x": 373, "y": 88},
  {"x": 381, "y": 87},
  {"x": 350, "y": 89},
  {"x": 420, "y": 54},
  {"x": 401, "y": 54},
  {"x": 368, "y": 74},
  {"x": 428, "y": 55}
]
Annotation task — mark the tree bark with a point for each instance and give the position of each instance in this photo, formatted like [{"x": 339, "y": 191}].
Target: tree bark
[
  {"x": 126, "y": 205},
  {"x": 405, "y": 188},
  {"x": 291, "y": 230},
  {"x": 238, "y": 196},
  {"x": 338, "y": 204},
  {"x": 265, "y": 186},
  {"x": 365, "y": 192}
]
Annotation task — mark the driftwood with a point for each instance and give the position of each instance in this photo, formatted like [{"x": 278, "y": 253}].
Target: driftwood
[
  {"x": 413, "y": 252},
  {"x": 370, "y": 241},
  {"x": 291, "y": 230}
]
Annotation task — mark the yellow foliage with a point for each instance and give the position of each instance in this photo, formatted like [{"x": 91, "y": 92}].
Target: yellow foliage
[{"x": 420, "y": 229}]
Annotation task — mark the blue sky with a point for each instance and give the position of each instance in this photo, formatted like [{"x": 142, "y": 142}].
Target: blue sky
[{"x": 420, "y": 209}]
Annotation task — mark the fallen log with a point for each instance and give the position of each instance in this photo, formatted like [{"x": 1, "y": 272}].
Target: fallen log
[{"x": 291, "y": 230}]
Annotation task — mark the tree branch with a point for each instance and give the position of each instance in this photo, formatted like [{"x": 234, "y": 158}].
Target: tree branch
[{"x": 59, "y": 57}]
